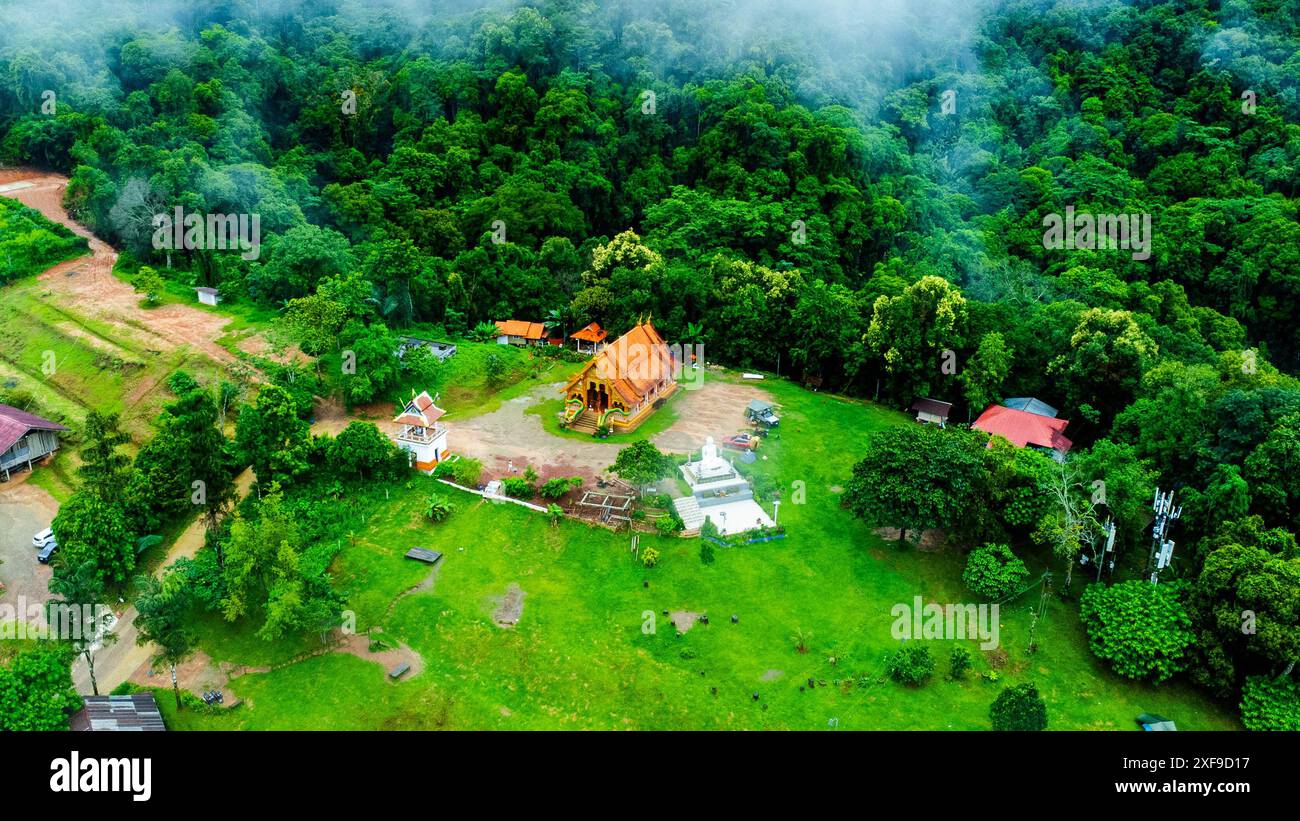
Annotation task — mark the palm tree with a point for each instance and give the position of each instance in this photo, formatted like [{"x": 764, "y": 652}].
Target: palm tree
[
  {"x": 160, "y": 620},
  {"x": 558, "y": 318},
  {"x": 78, "y": 611}
]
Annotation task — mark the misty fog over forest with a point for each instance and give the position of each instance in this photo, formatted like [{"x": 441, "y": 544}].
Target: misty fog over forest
[{"x": 871, "y": 212}]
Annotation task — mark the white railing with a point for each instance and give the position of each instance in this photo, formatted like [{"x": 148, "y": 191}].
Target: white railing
[{"x": 419, "y": 435}]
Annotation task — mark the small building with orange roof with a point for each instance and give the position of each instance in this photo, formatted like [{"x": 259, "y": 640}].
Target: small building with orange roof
[
  {"x": 421, "y": 434},
  {"x": 592, "y": 334},
  {"x": 520, "y": 332}
]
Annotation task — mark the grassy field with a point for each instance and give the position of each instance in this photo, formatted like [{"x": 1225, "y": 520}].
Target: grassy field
[
  {"x": 580, "y": 658},
  {"x": 62, "y": 364}
]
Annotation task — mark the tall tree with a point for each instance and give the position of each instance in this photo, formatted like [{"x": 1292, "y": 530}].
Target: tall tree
[
  {"x": 78, "y": 612},
  {"x": 161, "y": 620},
  {"x": 916, "y": 477}
]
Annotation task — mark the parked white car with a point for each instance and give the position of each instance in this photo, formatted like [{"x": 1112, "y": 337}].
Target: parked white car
[{"x": 43, "y": 538}]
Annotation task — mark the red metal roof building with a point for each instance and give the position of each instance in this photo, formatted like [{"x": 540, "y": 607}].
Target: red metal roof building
[
  {"x": 1025, "y": 429},
  {"x": 25, "y": 438}
]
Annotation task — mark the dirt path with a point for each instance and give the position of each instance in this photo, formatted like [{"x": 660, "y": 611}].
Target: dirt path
[
  {"x": 87, "y": 285},
  {"x": 123, "y": 659}
]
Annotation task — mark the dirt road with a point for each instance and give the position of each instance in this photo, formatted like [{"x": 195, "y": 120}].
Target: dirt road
[{"x": 511, "y": 437}]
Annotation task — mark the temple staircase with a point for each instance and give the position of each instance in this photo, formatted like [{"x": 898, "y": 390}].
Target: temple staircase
[
  {"x": 585, "y": 423},
  {"x": 688, "y": 507}
]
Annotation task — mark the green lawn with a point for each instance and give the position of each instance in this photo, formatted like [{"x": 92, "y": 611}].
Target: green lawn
[
  {"x": 548, "y": 411},
  {"x": 579, "y": 657},
  {"x": 61, "y": 364}
]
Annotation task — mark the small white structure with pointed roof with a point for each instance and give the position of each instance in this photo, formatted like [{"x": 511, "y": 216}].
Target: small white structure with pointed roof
[{"x": 421, "y": 434}]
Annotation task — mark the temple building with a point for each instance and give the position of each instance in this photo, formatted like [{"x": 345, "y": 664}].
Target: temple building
[
  {"x": 421, "y": 435},
  {"x": 620, "y": 386}
]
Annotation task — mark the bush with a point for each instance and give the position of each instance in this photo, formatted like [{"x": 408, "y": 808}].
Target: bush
[
  {"x": 1269, "y": 703},
  {"x": 464, "y": 472},
  {"x": 1018, "y": 709},
  {"x": 958, "y": 663},
  {"x": 667, "y": 526},
  {"x": 1140, "y": 628},
  {"x": 150, "y": 284},
  {"x": 557, "y": 487},
  {"x": 912, "y": 664},
  {"x": 993, "y": 571},
  {"x": 706, "y": 551},
  {"x": 437, "y": 508},
  {"x": 649, "y": 557},
  {"x": 518, "y": 487},
  {"x": 708, "y": 530}
]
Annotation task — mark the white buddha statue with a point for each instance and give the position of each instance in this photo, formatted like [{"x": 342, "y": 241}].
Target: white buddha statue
[{"x": 711, "y": 465}]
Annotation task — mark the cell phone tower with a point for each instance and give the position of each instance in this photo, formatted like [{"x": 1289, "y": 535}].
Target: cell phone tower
[{"x": 1162, "y": 549}]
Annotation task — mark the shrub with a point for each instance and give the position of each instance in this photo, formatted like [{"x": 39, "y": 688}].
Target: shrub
[
  {"x": 912, "y": 664},
  {"x": 706, "y": 551},
  {"x": 554, "y": 513},
  {"x": 148, "y": 282},
  {"x": 667, "y": 526},
  {"x": 993, "y": 571},
  {"x": 464, "y": 472},
  {"x": 1269, "y": 703},
  {"x": 958, "y": 662},
  {"x": 649, "y": 557},
  {"x": 1140, "y": 628},
  {"x": 557, "y": 487},
  {"x": 518, "y": 487},
  {"x": 1019, "y": 708},
  {"x": 437, "y": 508}
]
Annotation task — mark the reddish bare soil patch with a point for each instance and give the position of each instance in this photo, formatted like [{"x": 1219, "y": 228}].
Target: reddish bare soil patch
[
  {"x": 358, "y": 644},
  {"x": 932, "y": 541},
  {"x": 198, "y": 674},
  {"x": 259, "y": 345},
  {"x": 87, "y": 284},
  {"x": 507, "y": 441},
  {"x": 331, "y": 417},
  {"x": 716, "y": 409}
]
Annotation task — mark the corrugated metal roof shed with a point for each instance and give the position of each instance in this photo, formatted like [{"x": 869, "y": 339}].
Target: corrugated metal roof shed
[{"x": 137, "y": 712}]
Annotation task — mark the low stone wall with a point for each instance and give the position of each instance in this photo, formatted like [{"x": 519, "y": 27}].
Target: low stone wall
[{"x": 494, "y": 497}]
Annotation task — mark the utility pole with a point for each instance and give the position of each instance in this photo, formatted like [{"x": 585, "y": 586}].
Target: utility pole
[
  {"x": 1099, "y": 557},
  {"x": 1108, "y": 556},
  {"x": 1045, "y": 587},
  {"x": 1162, "y": 549}
]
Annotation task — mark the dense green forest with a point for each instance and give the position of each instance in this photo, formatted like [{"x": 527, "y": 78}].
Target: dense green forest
[{"x": 854, "y": 197}]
